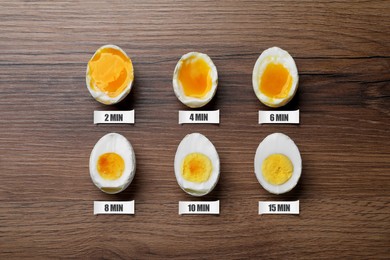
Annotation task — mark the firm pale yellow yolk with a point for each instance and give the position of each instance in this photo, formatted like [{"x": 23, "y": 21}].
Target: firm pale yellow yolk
[
  {"x": 277, "y": 169},
  {"x": 110, "y": 166},
  {"x": 195, "y": 77},
  {"x": 196, "y": 167},
  {"x": 276, "y": 81},
  {"x": 110, "y": 71}
]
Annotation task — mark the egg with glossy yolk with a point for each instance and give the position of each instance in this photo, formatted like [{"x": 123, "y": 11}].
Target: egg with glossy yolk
[
  {"x": 275, "y": 77},
  {"x": 112, "y": 163},
  {"x": 109, "y": 75},
  {"x": 195, "y": 79},
  {"x": 196, "y": 165},
  {"x": 278, "y": 163}
]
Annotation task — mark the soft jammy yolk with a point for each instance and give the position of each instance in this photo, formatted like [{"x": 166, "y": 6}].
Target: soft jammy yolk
[
  {"x": 195, "y": 77},
  {"x": 110, "y": 71},
  {"x": 110, "y": 166},
  {"x": 276, "y": 81},
  {"x": 196, "y": 167},
  {"x": 277, "y": 169}
]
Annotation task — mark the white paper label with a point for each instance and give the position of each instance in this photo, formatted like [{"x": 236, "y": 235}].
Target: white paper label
[
  {"x": 278, "y": 207},
  {"x": 199, "y": 207},
  {"x": 113, "y": 207},
  {"x": 198, "y": 117},
  {"x": 279, "y": 117},
  {"x": 113, "y": 117}
]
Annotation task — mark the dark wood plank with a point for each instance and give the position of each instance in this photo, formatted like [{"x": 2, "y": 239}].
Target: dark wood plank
[{"x": 46, "y": 131}]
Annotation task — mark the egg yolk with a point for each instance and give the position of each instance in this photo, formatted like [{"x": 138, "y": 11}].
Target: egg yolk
[
  {"x": 110, "y": 71},
  {"x": 196, "y": 167},
  {"x": 275, "y": 81},
  {"x": 110, "y": 166},
  {"x": 277, "y": 169},
  {"x": 195, "y": 77}
]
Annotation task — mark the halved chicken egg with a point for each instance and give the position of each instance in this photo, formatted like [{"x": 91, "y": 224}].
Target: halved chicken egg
[
  {"x": 109, "y": 75},
  {"x": 196, "y": 165},
  {"x": 112, "y": 163},
  {"x": 278, "y": 163},
  {"x": 195, "y": 79},
  {"x": 275, "y": 77}
]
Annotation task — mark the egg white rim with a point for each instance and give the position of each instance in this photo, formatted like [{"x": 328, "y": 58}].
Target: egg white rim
[
  {"x": 178, "y": 88},
  {"x": 101, "y": 96},
  {"x": 280, "y": 56},
  {"x": 115, "y": 143},
  {"x": 272, "y": 144},
  {"x": 196, "y": 143}
]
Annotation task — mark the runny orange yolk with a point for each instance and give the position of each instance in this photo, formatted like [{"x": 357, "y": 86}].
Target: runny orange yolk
[
  {"x": 195, "y": 77},
  {"x": 196, "y": 167},
  {"x": 276, "y": 81},
  {"x": 110, "y": 166},
  {"x": 110, "y": 71}
]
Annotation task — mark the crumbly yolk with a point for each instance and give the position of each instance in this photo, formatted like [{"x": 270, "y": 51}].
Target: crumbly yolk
[
  {"x": 195, "y": 77},
  {"x": 110, "y": 71},
  {"x": 196, "y": 167},
  {"x": 110, "y": 166},
  {"x": 277, "y": 169},
  {"x": 276, "y": 81}
]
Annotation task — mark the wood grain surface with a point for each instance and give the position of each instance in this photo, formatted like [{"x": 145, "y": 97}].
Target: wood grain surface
[{"x": 46, "y": 129}]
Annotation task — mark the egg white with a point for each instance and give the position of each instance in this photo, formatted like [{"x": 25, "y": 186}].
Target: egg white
[
  {"x": 280, "y": 56},
  {"x": 282, "y": 144},
  {"x": 102, "y": 97},
  {"x": 196, "y": 143},
  {"x": 113, "y": 143},
  {"x": 178, "y": 88}
]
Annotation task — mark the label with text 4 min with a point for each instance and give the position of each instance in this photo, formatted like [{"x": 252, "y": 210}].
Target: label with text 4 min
[{"x": 198, "y": 117}]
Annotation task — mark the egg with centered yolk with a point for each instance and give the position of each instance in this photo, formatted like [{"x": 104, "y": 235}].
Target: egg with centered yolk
[
  {"x": 196, "y": 165},
  {"x": 278, "y": 163},
  {"x": 195, "y": 79},
  {"x": 112, "y": 163},
  {"x": 275, "y": 77},
  {"x": 109, "y": 75}
]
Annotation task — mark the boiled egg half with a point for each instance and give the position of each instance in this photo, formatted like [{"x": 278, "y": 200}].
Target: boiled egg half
[
  {"x": 196, "y": 165},
  {"x": 195, "y": 79},
  {"x": 109, "y": 75},
  {"x": 275, "y": 77},
  {"x": 278, "y": 163},
  {"x": 112, "y": 163}
]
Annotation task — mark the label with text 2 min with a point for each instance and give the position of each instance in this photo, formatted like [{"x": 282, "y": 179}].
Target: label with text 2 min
[
  {"x": 279, "y": 117},
  {"x": 113, "y": 207},
  {"x": 198, "y": 117},
  {"x": 113, "y": 117},
  {"x": 199, "y": 207},
  {"x": 278, "y": 207}
]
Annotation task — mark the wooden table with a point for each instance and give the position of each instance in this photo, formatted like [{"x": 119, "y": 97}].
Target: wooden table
[{"x": 47, "y": 132}]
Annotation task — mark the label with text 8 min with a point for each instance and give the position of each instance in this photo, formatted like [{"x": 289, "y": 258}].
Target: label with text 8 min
[{"x": 113, "y": 207}]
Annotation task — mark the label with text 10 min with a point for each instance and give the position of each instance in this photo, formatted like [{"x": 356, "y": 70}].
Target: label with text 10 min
[{"x": 199, "y": 207}]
